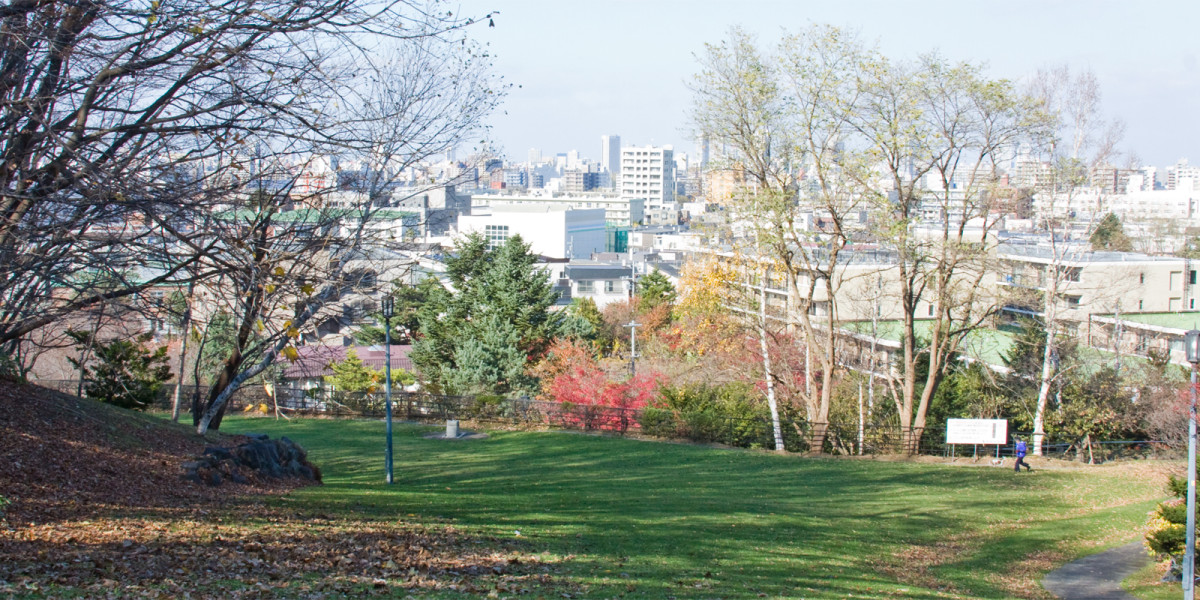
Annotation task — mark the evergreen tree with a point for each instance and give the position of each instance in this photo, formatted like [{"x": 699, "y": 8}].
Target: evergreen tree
[
  {"x": 351, "y": 375},
  {"x": 478, "y": 332},
  {"x": 1110, "y": 235},
  {"x": 408, "y": 302},
  {"x": 126, "y": 373},
  {"x": 653, "y": 290}
]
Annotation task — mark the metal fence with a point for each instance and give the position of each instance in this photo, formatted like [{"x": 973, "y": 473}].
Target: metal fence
[{"x": 708, "y": 427}]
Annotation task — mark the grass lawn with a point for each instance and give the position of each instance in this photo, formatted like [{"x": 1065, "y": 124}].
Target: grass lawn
[
  {"x": 627, "y": 518},
  {"x": 1147, "y": 584}
]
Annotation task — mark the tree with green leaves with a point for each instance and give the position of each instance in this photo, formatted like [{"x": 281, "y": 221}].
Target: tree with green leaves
[
  {"x": 408, "y": 299},
  {"x": 126, "y": 373},
  {"x": 491, "y": 318},
  {"x": 654, "y": 289},
  {"x": 1094, "y": 406},
  {"x": 584, "y": 321},
  {"x": 351, "y": 375},
  {"x": 1110, "y": 235}
]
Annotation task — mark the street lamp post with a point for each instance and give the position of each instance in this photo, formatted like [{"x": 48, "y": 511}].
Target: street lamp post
[
  {"x": 389, "y": 305},
  {"x": 1191, "y": 345}
]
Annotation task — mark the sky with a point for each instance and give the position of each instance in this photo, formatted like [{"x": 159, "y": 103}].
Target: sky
[{"x": 580, "y": 70}]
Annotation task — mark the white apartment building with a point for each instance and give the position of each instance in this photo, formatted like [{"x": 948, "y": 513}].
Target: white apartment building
[
  {"x": 551, "y": 231},
  {"x": 648, "y": 172},
  {"x": 618, "y": 211},
  {"x": 1096, "y": 282},
  {"x": 1182, "y": 175}
]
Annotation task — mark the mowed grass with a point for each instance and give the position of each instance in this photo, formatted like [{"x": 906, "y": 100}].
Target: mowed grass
[{"x": 640, "y": 519}]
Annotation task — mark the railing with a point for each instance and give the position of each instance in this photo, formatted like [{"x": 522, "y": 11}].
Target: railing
[{"x": 708, "y": 427}]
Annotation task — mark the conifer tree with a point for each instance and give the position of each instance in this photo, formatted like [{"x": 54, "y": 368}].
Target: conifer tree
[{"x": 478, "y": 332}]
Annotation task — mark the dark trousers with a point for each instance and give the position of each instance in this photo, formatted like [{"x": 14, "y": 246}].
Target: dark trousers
[{"x": 1020, "y": 462}]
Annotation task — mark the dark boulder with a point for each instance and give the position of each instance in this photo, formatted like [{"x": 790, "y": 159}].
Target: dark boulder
[{"x": 259, "y": 456}]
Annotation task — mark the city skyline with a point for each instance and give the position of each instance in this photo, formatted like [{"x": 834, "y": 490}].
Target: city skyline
[{"x": 622, "y": 68}]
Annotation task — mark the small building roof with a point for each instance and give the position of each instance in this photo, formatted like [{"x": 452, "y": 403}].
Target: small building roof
[{"x": 314, "y": 361}]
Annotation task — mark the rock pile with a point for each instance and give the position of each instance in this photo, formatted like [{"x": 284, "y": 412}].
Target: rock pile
[{"x": 258, "y": 457}]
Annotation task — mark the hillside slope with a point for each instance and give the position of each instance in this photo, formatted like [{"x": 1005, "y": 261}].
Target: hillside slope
[
  {"x": 99, "y": 509},
  {"x": 62, "y": 457}
]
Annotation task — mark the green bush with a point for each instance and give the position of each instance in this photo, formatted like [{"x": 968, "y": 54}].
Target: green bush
[
  {"x": 486, "y": 406},
  {"x": 126, "y": 373},
  {"x": 735, "y": 414},
  {"x": 658, "y": 422},
  {"x": 1166, "y": 532}
]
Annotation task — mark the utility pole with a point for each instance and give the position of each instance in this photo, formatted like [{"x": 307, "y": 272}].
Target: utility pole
[{"x": 633, "y": 325}]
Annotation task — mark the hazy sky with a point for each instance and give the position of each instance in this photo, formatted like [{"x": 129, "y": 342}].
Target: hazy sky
[{"x": 586, "y": 69}]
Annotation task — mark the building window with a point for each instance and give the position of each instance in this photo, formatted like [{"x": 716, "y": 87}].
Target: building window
[
  {"x": 610, "y": 286},
  {"x": 1192, "y": 277},
  {"x": 585, "y": 286},
  {"x": 496, "y": 235}
]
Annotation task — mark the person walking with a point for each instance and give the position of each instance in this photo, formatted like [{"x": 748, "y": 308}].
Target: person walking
[{"x": 1022, "y": 448}]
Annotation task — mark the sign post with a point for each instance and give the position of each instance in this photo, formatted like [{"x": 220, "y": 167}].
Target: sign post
[{"x": 977, "y": 431}]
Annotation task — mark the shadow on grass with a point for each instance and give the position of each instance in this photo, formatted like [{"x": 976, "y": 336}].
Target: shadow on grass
[{"x": 677, "y": 520}]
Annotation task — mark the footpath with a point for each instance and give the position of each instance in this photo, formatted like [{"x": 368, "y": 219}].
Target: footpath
[{"x": 1098, "y": 577}]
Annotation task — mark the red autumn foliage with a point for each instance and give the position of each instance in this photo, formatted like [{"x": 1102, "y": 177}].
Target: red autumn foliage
[{"x": 588, "y": 398}]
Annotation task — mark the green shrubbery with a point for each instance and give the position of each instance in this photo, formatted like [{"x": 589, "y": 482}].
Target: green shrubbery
[
  {"x": 732, "y": 414},
  {"x": 125, "y": 373},
  {"x": 1166, "y": 532}
]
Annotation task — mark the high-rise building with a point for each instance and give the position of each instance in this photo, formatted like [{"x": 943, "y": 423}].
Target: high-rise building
[
  {"x": 535, "y": 156},
  {"x": 610, "y": 155},
  {"x": 648, "y": 172},
  {"x": 1180, "y": 173},
  {"x": 578, "y": 180}
]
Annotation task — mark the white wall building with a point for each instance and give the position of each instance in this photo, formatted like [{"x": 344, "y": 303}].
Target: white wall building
[
  {"x": 552, "y": 231},
  {"x": 649, "y": 172},
  {"x": 604, "y": 283},
  {"x": 618, "y": 211}
]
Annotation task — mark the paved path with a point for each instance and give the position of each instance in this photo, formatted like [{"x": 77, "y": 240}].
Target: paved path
[{"x": 1098, "y": 577}]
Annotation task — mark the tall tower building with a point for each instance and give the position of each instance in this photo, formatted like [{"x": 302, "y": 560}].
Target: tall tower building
[
  {"x": 648, "y": 172},
  {"x": 610, "y": 155},
  {"x": 535, "y": 157}
]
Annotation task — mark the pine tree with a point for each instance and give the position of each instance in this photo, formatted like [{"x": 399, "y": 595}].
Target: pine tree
[
  {"x": 654, "y": 289},
  {"x": 478, "y": 332},
  {"x": 1110, "y": 235},
  {"x": 126, "y": 373}
]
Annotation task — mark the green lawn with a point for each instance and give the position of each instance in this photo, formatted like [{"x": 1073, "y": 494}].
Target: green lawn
[{"x": 656, "y": 520}]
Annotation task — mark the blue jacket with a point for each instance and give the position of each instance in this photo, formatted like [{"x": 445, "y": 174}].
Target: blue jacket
[{"x": 1021, "y": 447}]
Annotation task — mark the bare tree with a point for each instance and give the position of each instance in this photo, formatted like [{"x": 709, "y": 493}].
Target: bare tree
[
  {"x": 940, "y": 132},
  {"x": 1071, "y": 103},
  {"x": 125, "y": 123},
  {"x": 739, "y": 107}
]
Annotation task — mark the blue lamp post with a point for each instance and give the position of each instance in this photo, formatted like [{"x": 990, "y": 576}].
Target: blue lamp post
[
  {"x": 389, "y": 306},
  {"x": 1191, "y": 344}
]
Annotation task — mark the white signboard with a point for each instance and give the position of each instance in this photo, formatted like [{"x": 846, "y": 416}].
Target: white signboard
[{"x": 976, "y": 431}]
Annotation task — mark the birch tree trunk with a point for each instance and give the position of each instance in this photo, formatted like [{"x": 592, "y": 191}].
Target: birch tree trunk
[{"x": 768, "y": 375}]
